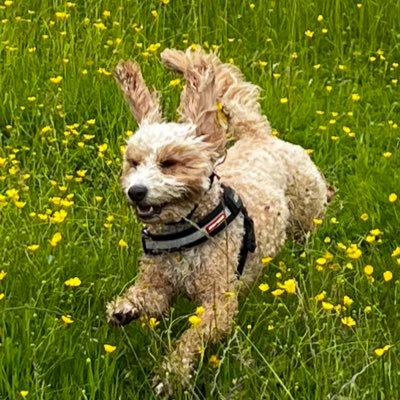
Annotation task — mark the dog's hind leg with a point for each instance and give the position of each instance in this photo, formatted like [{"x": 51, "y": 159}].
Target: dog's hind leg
[{"x": 212, "y": 325}]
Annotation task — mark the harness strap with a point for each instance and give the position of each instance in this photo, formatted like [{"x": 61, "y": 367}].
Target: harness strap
[{"x": 215, "y": 222}]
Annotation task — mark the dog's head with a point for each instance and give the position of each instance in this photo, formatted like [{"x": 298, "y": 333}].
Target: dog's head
[{"x": 167, "y": 165}]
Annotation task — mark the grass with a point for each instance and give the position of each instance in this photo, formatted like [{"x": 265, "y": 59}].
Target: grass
[{"x": 285, "y": 347}]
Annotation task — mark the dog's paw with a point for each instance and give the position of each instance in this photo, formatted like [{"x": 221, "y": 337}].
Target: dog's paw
[
  {"x": 121, "y": 311},
  {"x": 162, "y": 388},
  {"x": 172, "y": 378}
]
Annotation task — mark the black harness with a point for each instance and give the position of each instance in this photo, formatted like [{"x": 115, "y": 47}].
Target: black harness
[{"x": 194, "y": 234}]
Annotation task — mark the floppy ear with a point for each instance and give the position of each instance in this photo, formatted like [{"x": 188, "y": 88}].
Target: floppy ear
[
  {"x": 144, "y": 105},
  {"x": 198, "y": 99}
]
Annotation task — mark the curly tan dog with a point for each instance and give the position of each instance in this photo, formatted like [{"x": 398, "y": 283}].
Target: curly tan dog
[{"x": 176, "y": 176}]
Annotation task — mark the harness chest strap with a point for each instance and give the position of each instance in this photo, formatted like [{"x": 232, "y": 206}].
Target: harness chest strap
[{"x": 192, "y": 235}]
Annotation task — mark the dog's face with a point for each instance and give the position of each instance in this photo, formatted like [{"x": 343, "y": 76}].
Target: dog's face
[{"x": 166, "y": 170}]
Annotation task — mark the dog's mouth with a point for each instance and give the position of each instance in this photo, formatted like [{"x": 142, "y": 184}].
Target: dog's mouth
[{"x": 147, "y": 211}]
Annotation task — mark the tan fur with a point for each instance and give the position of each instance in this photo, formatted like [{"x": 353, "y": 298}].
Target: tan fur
[
  {"x": 144, "y": 105},
  {"x": 280, "y": 186}
]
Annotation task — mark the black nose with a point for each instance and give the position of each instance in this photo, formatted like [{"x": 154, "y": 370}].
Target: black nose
[{"x": 137, "y": 192}]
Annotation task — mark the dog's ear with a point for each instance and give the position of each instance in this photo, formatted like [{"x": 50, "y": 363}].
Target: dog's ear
[
  {"x": 199, "y": 99},
  {"x": 144, "y": 104}
]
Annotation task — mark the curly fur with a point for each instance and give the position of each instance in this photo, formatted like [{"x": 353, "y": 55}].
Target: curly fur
[{"x": 280, "y": 186}]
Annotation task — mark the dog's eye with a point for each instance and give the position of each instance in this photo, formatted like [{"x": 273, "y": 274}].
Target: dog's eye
[
  {"x": 168, "y": 163},
  {"x": 132, "y": 163}
]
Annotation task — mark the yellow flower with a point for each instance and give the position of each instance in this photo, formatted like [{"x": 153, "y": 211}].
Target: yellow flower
[
  {"x": 2, "y": 295},
  {"x": 320, "y": 296},
  {"x": 56, "y": 239},
  {"x": 284, "y": 100},
  {"x": 32, "y": 248},
  {"x": 8, "y": 3},
  {"x": 67, "y": 319},
  {"x": 396, "y": 252},
  {"x": 277, "y": 292},
  {"x": 328, "y": 88},
  {"x": 154, "y": 47},
  {"x": 347, "y": 301},
  {"x": 266, "y": 260},
  {"x": 56, "y": 80},
  {"x": 3, "y": 274},
  {"x": 12, "y": 194},
  {"x": 376, "y": 232},
  {"x": 59, "y": 216},
  {"x": 387, "y": 154},
  {"x": 122, "y": 244},
  {"x": 355, "y": 97},
  {"x": 154, "y": 13},
  {"x": 321, "y": 261},
  {"x": 195, "y": 320},
  {"x": 338, "y": 308},
  {"x": 309, "y": 33},
  {"x": 392, "y": 197},
  {"x": 320, "y": 18},
  {"x": 354, "y": 252},
  {"x": 381, "y": 351},
  {"x": 175, "y": 82},
  {"x": 367, "y": 309},
  {"x": 317, "y": 221},
  {"x": 103, "y": 71},
  {"x": 364, "y": 216},
  {"x": 23, "y": 393},
  {"x": 213, "y": 361},
  {"x": 368, "y": 270},
  {"x": 19, "y": 204},
  {"x": 348, "y": 321},
  {"x": 73, "y": 282},
  {"x": 264, "y": 287},
  {"x": 165, "y": 2},
  {"x": 327, "y": 306},
  {"x": 81, "y": 173},
  {"x": 153, "y": 323},
  {"x": 109, "y": 348},
  {"x": 387, "y": 276},
  {"x": 100, "y": 26},
  {"x": 370, "y": 239},
  {"x": 200, "y": 311},
  {"x": 102, "y": 147},
  {"x": 106, "y": 14},
  {"x": 289, "y": 286},
  {"x": 61, "y": 16}
]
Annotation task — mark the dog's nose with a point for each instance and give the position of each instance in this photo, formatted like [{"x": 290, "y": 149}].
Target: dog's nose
[{"x": 137, "y": 192}]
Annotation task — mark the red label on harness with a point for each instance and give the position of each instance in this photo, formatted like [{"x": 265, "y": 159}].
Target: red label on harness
[{"x": 215, "y": 222}]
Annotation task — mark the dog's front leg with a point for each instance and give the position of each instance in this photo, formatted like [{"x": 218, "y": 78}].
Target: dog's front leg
[
  {"x": 149, "y": 296},
  {"x": 215, "y": 323}
]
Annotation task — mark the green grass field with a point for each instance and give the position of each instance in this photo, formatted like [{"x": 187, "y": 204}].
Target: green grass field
[{"x": 329, "y": 72}]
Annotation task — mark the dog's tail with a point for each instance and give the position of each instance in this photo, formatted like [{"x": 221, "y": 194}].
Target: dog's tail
[{"x": 237, "y": 98}]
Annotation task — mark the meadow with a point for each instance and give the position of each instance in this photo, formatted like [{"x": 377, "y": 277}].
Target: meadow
[{"x": 69, "y": 243}]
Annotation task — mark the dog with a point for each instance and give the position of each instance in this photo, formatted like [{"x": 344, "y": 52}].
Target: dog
[{"x": 180, "y": 176}]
